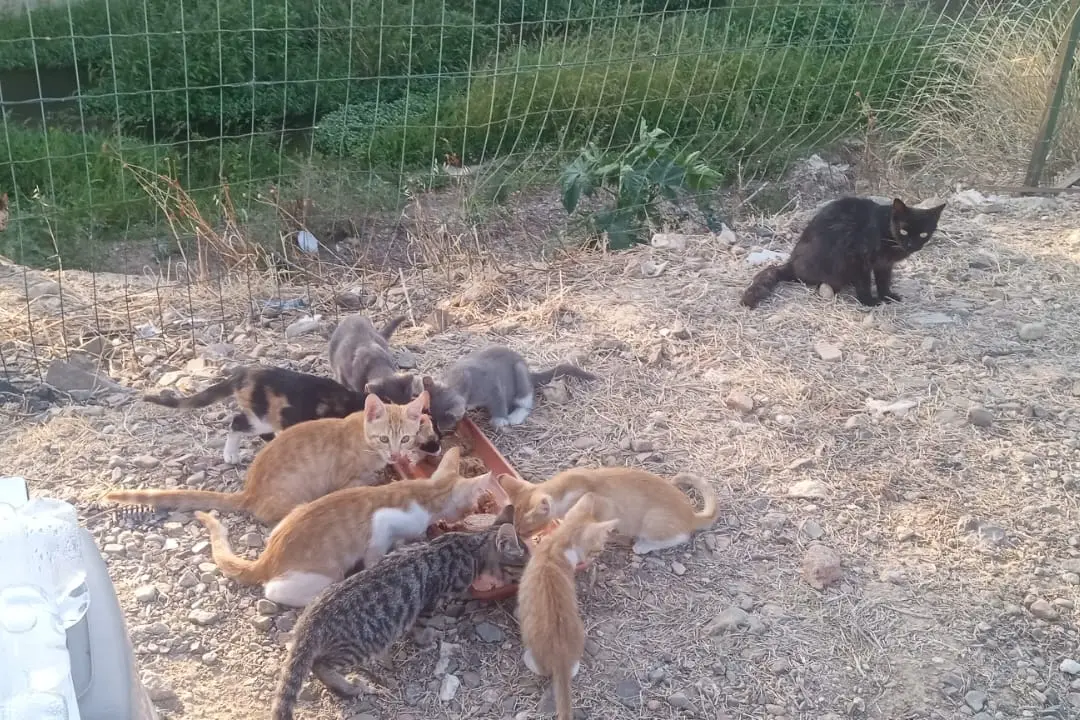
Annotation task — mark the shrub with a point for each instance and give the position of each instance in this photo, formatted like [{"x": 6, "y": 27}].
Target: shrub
[{"x": 232, "y": 66}]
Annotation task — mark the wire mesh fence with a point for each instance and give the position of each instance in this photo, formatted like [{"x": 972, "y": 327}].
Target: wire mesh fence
[{"x": 204, "y": 143}]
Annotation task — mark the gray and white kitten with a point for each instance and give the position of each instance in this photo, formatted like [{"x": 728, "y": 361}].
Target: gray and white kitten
[
  {"x": 359, "y": 618},
  {"x": 494, "y": 378},
  {"x": 361, "y": 361}
]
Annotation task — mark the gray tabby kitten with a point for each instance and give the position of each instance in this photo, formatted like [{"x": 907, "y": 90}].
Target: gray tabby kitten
[
  {"x": 361, "y": 360},
  {"x": 359, "y": 618},
  {"x": 496, "y": 379}
]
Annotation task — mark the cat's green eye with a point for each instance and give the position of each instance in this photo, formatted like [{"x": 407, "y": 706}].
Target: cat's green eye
[
  {"x": 903, "y": 232},
  {"x": 405, "y": 438},
  {"x": 384, "y": 439}
]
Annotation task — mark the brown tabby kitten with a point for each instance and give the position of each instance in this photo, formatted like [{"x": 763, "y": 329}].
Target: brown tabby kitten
[
  {"x": 648, "y": 507},
  {"x": 845, "y": 243},
  {"x": 319, "y": 543},
  {"x": 358, "y": 619},
  {"x": 306, "y": 462},
  {"x": 551, "y": 626},
  {"x": 270, "y": 399}
]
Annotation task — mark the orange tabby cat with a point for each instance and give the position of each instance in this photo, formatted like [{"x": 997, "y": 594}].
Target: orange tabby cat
[
  {"x": 551, "y": 626},
  {"x": 307, "y": 461},
  {"x": 649, "y": 508},
  {"x": 318, "y": 543}
]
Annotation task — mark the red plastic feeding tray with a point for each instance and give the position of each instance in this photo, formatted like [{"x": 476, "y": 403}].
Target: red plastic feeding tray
[{"x": 483, "y": 450}]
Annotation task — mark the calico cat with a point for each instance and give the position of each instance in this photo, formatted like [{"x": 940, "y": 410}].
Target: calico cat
[
  {"x": 271, "y": 399},
  {"x": 308, "y": 461},
  {"x": 648, "y": 507},
  {"x": 496, "y": 379},
  {"x": 845, "y": 243},
  {"x": 361, "y": 360},
  {"x": 358, "y": 619},
  {"x": 551, "y": 627},
  {"x": 319, "y": 543}
]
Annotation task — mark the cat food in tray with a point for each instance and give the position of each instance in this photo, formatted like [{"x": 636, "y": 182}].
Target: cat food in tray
[{"x": 478, "y": 456}]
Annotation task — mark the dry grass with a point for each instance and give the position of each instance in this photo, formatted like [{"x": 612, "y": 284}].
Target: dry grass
[
  {"x": 976, "y": 121},
  {"x": 924, "y": 604}
]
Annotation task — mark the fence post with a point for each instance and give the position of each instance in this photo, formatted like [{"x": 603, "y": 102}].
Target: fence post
[{"x": 1055, "y": 97}]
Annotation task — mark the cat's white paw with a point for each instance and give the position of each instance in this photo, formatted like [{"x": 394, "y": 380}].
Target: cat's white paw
[
  {"x": 500, "y": 422},
  {"x": 518, "y": 416},
  {"x": 642, "y": 547},
  {"x": 530, "y": 662},
  {"x": 231, "y": 453}
]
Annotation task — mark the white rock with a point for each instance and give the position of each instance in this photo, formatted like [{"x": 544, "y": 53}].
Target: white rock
[
  {"x": 146, "y": 593},
  {"x": 764, "y": 257},
  {"x": 1032, "y": 331},
  {"x": 825, "y": 290},
  {"x": 1070, "y": 666},
  {"x": 449, "y": 688},
  {"x": 828, "y": 352},
  {"x": 808, "y": 489},
  {"x": 669, "y": 241},
  {"x": 303, "y": 326},
  {"x": 727, "y": 235}
]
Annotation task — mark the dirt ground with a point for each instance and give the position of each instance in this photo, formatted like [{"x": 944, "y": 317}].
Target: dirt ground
[{"x": 932, "y": 445}]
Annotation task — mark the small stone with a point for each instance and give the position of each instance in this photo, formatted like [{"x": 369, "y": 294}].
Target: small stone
[
  {"x": 628, "y": 692},
  {"x": 471, "y": 679},
  {"x": 252, "y": 540},
  {"x": 406, "y": 360},
  {"x": 267, "y": 607},
  {"x": 147, "y": 462},
  {"x": 930, "y": 344},
  {"x": 728, "y": 621},
  {"x": 808, "y": 489},
  {"x": 187, "y": 580},
  {"x": 303, "y": 326},
  {"x": 1032, "y": 331},
  {"x": 678, "y": 568},
  {"x": 196, "y": 478},
  {"x": 262, "y": 623},
  {"x": 893, "y": 575},
  {"x": 585, "y": 442},
  {"x": 157, "y": 688},
  {"x": 146, "y": 593},
  {"x": 449, "y": 688},
  {"x": 828, "y": 352},
  {"x": 210, "y": 658},
  {"x": 820, "y": 566},
  {"x": 202, "y": 617},
  {"x": 738, "y": 400},
  {"x": 975, "y": 699},
  {"x": 1070, "y": 578},
  {"x": 980, "y": 417},
  {"x": 812, "y": 530},
  {"x": 679, "y": 700},
  {"x": 1043, "y": 610},
  {"x": 115, "y": 549},
  {"x": 780, "y": 666},
  {"x": 642, "y": 446},
  {"x": 1070, "y": 666},
  {"x": 825, "y": 290},
  {"x": 489, "y": 633}
]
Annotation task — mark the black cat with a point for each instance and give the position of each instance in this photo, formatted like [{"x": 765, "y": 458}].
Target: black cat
[{"x": 845, "y": 242}]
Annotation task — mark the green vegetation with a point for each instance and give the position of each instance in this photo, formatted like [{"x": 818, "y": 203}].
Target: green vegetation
[
  {"x": 634, "y": 180},
  {"x": 200, "y": 87}
]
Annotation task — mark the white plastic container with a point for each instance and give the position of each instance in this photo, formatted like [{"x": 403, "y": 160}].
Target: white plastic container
[{"x": 43, "y": 592}]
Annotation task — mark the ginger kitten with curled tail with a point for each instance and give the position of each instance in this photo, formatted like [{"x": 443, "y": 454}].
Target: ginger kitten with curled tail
[
  {"x": 649, "y": 508},
  {"x": 551, "y": 626},
  {"x": 317, "y": 544},
  {"x": 308, "y": 461}
]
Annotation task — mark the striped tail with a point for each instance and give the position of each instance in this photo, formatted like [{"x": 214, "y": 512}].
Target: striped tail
[
  {"x": 297, "y": 667},
  {"x": 215, "y": 393}
]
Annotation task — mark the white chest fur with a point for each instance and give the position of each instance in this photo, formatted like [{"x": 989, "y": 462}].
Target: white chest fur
[{"x": 391, "y": 524}]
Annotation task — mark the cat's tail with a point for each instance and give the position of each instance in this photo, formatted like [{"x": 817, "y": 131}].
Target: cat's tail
[
  {"x": 764, "y": 282},
  {"x": 247, "y": 572},
  {"x": 543, "y": 378},
  {"x": 560, "y": 685},
  {"x": 181, "y": 500},
  {"x": 389, "y": 328},
  {"x": 708, "y": 514},
  {"x": 215, "y": 393},
  {"x": 297, "y": 667}
]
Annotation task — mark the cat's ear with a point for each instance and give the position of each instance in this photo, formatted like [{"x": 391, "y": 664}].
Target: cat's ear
[
  {"x": 373, "y": 408},
  {"x": 506, "y": 515},
  {"x": 416, "y": 407},
  {"x": 451, "y": 461},
  {"x": 936, "y": 211},
  {"x": 584, "y": 507},
  {"x": 898, "y": 206},
  {"x": 369, "y": 389},
  {"x": 511, "y": 484},
  {"x": 507, "y": 542},
  {"x": 418, "y": 385}
]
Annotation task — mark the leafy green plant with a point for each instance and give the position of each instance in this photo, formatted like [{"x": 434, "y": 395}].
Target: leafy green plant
[{"x": 635, "y": 179}]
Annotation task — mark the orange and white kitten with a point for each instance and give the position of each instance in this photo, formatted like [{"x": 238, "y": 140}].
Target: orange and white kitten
[
  {"x": 551, "y": 626},
  {"x": 649, "y": 508},
  {"x": 319, "y": 543},
  {"x": 307, "y": 461}
]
